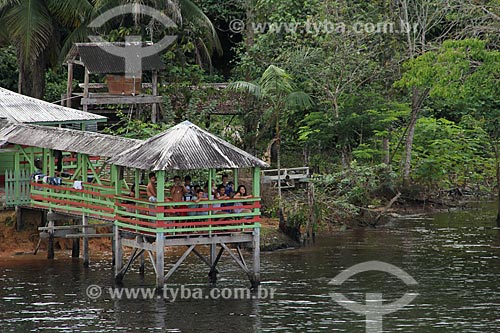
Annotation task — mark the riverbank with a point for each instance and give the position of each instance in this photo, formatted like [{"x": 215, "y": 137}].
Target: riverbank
[{"x": 15, "y": 243}]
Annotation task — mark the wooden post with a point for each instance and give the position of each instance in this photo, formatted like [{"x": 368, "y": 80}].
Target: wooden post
[
  {"x": 236, "y": 176},
  {"x": 50, "y": 249},
  {"x": 212, "y": 275},
  {"x": 85, "y": 241},
  {"x": 154, "y": 112},
  {"x": 160, "y": 236},
  {"x": 75, "y": 251},
  {"x": 86, "y": 88},
  {"x": 160, "y": 260},
  {"x": 69, "y": 87},
  {"x": 19, "y": 218},
  {"x": 17, "y": 176},
  {"x": 137, "y": 176},
  {"x": 256, "y": 257},
  {"x": 85, "y": 167},
  {"x": 142, "y": 262},
  {"x": 118, "y": 253}
]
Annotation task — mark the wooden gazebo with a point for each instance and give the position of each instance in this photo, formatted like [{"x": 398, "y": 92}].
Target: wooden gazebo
[{"x": 181, "y": 148}]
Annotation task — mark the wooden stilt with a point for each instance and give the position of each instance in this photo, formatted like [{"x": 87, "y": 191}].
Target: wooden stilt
[
  {"x": 118, "y": 252},
  {"x": 19, "y": 218},
  {"x": 142, "y": 261},
  {"x": 50, "y": 249},
  {"x": 160, "y": 260},
  {"x": 256, "y": 257},
  {"x": 212, "y": 275},
  {"x": 75, "y": 251},
  {"x": 86, "y": 259}
]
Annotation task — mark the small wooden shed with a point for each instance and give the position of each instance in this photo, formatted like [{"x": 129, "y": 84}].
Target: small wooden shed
[{"x": 118, "y": 89}]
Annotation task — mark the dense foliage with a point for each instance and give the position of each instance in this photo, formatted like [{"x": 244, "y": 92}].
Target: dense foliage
[{"x": 398, "y": 92}]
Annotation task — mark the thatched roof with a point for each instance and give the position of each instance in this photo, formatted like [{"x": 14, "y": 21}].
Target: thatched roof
[
  {"x": 186, "y": 147},
  {"x": 90, "y": 143},
  {"x": 98, "y": 61},
  {"x": 23, "y": 109}
]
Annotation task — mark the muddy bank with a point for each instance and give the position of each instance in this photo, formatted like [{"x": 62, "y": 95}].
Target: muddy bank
[{"x": 19, "y": 243}]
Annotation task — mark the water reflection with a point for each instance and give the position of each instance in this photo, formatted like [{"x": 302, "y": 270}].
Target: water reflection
[{"x": 455, "y": 257}]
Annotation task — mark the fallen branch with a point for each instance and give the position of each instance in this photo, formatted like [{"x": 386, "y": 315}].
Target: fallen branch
[{"x": 386, "y": 208}]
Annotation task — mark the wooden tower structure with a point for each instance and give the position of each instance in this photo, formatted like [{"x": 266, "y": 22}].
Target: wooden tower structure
[{"x": 119, "y": 89}]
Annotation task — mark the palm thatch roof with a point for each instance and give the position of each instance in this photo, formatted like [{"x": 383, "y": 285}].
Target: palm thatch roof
[
  {"x": 186, "y": 147},
  {"x": 90, "y": 143}
]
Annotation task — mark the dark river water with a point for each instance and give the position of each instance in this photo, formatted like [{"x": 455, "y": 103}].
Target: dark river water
[{"x": 454, "y": 258}]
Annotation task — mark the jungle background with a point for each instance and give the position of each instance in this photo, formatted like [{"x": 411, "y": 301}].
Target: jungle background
[{"x": 414, "y": 111}]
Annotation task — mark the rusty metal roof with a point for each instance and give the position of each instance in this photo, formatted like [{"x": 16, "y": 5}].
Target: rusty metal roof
[
  {"x": 98, "y": 61},
  {"x": 186, "y": 147},
  {"x": 90, "y": 143},
  {"x": 24, "y": 109}
]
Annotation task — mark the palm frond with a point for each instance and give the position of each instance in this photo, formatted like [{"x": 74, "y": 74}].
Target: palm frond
[
  {"x": 247, "y": 87},
  {"x": 298, "y": 100},
  {"x": 275, "y": 81},
  {"x": 30, "y": 26},
  {"x": 69, "y": 12},
  {"x": 191, "y": 11}
]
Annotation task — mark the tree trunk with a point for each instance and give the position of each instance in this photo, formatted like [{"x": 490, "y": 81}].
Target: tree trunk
[
  {"x": 497, "y": 166},
  {"x": 418, "y": 98},
  {"x": 385, "y": 147},
  {"x": 32, "y": 75}
]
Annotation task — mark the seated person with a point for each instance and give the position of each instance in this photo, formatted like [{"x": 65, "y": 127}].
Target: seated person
[
  {"x": 151, "y": 188},
  {"x": 241, "y": 193}
]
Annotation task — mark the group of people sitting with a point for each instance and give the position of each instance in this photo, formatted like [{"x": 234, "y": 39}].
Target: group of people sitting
[{"x": 186, "y": 191}]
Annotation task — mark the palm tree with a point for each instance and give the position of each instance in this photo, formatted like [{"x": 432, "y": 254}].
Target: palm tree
[
  {"x": 194, "y": 25},
  {"x": 34, "y": 28},
  {"x": 277, "y": 88}
]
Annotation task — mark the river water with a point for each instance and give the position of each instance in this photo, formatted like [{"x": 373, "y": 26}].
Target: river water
[{"x": 454, "y": 257}]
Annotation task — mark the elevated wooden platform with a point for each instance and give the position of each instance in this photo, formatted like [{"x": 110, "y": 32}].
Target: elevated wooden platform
[{"x": 105, "y": 98}]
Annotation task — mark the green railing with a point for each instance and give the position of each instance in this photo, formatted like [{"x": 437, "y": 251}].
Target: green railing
[
  {"x": 142, "y": 216},
  {"x": 92, "y": 200},
  {"x": 188, "y": 217}
]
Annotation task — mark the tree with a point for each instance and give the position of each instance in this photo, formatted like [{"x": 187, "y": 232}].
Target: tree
[
  {"x": 278, "y": 89},
  {"x": 34, "y": 28},
  {"x": 464, "y": 73}
]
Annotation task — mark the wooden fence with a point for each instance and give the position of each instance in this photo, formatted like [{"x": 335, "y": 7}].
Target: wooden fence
[{"x": 17, "y": 188}]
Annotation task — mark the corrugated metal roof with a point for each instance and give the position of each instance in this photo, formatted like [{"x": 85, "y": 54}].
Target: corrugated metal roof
[
  {"x": 90, "y": 143},
  {"x": 98, "y": 61},
  {"x": 186, "y": 147},
  {"x": 25, "y": 109}
]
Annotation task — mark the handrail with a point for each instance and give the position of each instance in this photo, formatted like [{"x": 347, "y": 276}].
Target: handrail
[{"x": 140, "y": 215}]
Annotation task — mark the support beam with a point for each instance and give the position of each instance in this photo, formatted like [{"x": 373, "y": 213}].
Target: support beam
[
  {"x": 69, "y": 88},
  {"x": 85, "y": 241},
  {"x": 142, "y": 262},
  {"x": 179, "y": 262},
  {"x": 236, "y": 259},
  {"x": 86, "y": 88},
  {"x": 202, "y": 258},
  {"x": 214, "y": 260},
  {"x": 154, "y": 112}
]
